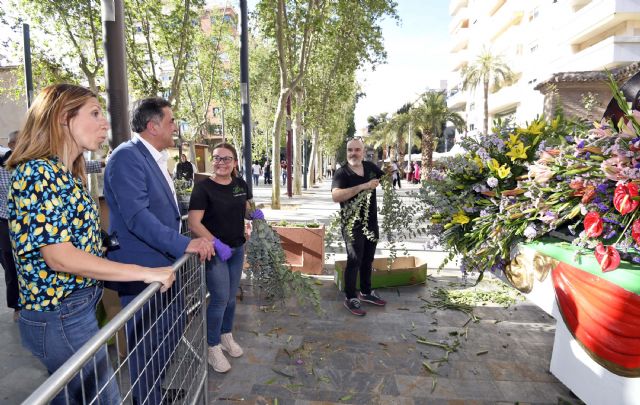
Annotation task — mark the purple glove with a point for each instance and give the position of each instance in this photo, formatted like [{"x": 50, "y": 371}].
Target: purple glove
[
  {"x": 223, "y": 251},
  {"x": 257, "y": 214}
]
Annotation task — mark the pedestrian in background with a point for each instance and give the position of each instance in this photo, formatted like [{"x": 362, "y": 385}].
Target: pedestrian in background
[
  {"x": 267, "y": 172},
  {"x": 283, "y": 167},
  {"x": 256, "y": 171},
  {"x": 55, "y": 231},
  {"x": 184, "y": 170},
  {"x": 6, "y": 252}
]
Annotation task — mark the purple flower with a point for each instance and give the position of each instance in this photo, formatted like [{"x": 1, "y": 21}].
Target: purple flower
[
  {"x": 602, "y": 207},
  {"x": 610, "y": 221},
  {"x": 610, "y": 234},
  {"x": 530, "y": 232},
  {"x": 587, "y": 155},
  {"x": 581, "y": 145},
  {"x": 569, "y": 138},
  {"x": 602, "y": 188},
  {"x": 635, "y": 259}
]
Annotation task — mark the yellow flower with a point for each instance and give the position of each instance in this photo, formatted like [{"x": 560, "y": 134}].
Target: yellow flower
[
  {"x": 513, "y": 139},
  {"x": 478, "y": 162},
  {"x": 504, "y": 171},
  {"x": 536, "y": 127},
  {"x": 493, "y": 165},
  {"x": 460, "y": 218},
  {"x": 518, "y": 151}
]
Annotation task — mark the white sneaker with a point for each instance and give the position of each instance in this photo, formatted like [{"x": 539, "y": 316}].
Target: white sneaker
[
  {"x": 230, "y": 346},
  {"x": 217, "y": 360}
]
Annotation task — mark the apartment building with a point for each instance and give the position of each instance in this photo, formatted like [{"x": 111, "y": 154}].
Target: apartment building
[{"x": 558, "y": 50}]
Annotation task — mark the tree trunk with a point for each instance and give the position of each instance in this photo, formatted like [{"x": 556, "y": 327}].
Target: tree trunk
[
  {"x": 298, "y": 138},
  {"x": 311, "y": 175},
  {"x": 427, "y": 154},
  {"x": 275, "y": 157}
]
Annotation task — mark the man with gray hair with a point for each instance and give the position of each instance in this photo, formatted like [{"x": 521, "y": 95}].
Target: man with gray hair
[
  {"x": 143, "y": 211},
  {"x": 6, "y": 255},
  {"x": 351, "y": 179}
]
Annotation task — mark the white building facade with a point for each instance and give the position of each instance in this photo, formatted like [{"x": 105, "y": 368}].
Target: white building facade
[{"x": 537, "y": 39}]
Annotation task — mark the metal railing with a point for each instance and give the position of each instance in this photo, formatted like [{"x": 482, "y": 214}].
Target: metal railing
[{"x": 172, "y": 341}]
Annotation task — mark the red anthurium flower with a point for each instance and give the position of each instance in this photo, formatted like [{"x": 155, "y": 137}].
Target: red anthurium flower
[
  {"x": 593, "y": 224},
  {"x": 622, "y": 198},
  {"x": 635, "y": 231},
  {"x": 608, "y": 257}
]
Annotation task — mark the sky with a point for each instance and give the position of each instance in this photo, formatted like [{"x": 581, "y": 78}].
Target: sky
[{"x": 417, "y": 59}]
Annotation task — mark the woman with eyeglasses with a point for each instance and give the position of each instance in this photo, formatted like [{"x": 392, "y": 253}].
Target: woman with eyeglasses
[{"x": 217, "y": 210}]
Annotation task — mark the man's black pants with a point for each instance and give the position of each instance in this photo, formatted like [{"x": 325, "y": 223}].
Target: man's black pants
[{"x": 360, "y": 253}]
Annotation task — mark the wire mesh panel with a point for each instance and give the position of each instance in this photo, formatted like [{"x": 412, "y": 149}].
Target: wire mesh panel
[{"x": 164, "y": 349}]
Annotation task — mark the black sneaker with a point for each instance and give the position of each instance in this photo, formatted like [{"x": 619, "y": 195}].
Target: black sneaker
[
  {"x": 372, "y": 298},
  {"x": 353, "y": 305}
]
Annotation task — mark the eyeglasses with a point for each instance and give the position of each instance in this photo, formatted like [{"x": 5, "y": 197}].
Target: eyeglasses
[{"x": 226, "y": 159}]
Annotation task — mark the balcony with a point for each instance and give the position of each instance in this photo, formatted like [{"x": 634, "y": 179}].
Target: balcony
[
  {"x": 460, "y": 39},
  {"x": 455, "y": 5},
  {"x": 505, "y": 98},
  {"x": 492, "y": 6},
  {"x": 461, "y": 19},
  {"x": 597, "y": 17},
  {"x": 610, "y": 52},
  {"x": 459, "y": 59},
  {"x": 457, "y": 99},
  {"x": 578, "y": 4},
  {"x": 506, "y": 17}
]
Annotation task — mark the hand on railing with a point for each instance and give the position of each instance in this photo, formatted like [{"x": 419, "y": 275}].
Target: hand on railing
[
  {"x": 223, "y": 251},
  {"x": 164, "y": 275},
  {"x": 201, "y": 246}
]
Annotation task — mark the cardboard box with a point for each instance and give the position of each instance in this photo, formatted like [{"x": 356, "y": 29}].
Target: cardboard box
[{"x": 405, "y": 270}]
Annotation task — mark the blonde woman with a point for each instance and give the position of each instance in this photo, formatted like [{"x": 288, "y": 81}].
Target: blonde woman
[{"x": 55, "y": 235}]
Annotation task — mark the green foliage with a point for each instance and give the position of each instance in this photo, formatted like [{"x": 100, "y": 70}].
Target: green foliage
[
  {"x": 399, "y": 222},
  {"x": 270, "y": 272},
  {"x": 66, "y": 42}
]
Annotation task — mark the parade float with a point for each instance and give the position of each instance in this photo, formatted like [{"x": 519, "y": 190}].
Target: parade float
[{"x": 553, "y": 208}]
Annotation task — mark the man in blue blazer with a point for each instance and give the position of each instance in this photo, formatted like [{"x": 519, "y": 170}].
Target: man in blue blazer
[{"x": 143, "y": 211}]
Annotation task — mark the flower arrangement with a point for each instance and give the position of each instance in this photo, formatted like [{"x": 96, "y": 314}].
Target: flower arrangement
[
  {"x": 475, "y": 205},
  {"x": 519, "y": 184}
]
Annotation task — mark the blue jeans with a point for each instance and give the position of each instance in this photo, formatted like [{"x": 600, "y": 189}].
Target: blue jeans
[
  {"x": 152, "y": 335},
  {"x": 223, "y": 279},
  {"x": 54, "y": 336}
]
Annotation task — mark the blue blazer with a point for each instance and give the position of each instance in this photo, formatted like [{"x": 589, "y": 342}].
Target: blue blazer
[{"x": 142, "y": 212}]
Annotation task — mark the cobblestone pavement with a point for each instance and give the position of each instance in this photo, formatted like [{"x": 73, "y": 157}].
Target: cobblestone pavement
[{"x": 298, "y": 357}]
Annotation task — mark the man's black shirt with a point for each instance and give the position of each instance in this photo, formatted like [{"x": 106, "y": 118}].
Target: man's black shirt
[{"x": 345, "y": 177}]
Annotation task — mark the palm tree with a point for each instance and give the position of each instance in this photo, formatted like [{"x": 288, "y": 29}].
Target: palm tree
[
  {"x": 429, "y": 118},
  {"x": 488, "y": 69}
]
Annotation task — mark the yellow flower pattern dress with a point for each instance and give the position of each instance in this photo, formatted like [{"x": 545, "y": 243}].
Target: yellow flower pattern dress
[{"x": 47, "y": 205}]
